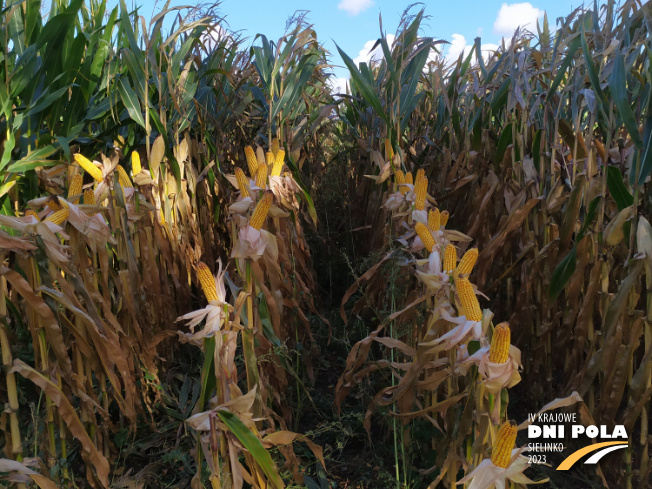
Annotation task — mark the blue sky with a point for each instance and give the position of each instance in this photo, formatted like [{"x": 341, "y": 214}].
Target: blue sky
[{"x": 353, "y": 24}]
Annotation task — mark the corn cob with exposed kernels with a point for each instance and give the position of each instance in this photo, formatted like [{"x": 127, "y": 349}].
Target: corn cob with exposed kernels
[
  {"x": 466, "y": 263},
  {"x": 75, "y": 187},
  {"x": 261, "y": 176},
  {"x": 59, "y": 216},
  {"x": 252, "y": 162},
  {"x": 408, "y": 178},
  {"x": 425, "y": 235},
  {"x": 434, "y": 221},
  {"x": 123, "y": 178},
  {"x": 420, "y": 190},
  {"x": 389, "y": 151},
  {"x": 89, "y": 197},
  {"x": 261, "y": 210},
  {"x": 500, "y": 341},
  {"x": 207, "y": 281},
  {"x": 468, "y": 300},
  {"x": 450, "y": 258},
  {"x": 53, "y": 204},
  {"x": 443, "y": 218},
  {"x": 242, "y": 182},
  {"x": 501, "y": 453},
  {"x": 269, "y": 159},
  {"x": 278, "y": 163},
  {"x": 399, "y": 176},
  {"x": 89, "y": 167},
  {"x": 136, "y": 167},
  {"x": 275, "y": 146},
  {"x": 32, "y": 212}
]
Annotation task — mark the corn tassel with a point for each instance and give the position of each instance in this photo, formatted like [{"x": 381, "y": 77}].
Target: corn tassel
[
  {"x": 425, "y": 235},
  {"x": 466, "y": 263},
  {"x": 434, "y": 220},
  {"x": 443, "y": 218},
  {"x": 502, "y": 451},
  {"x": 207, "y": 281},
  {"x": 89, "y": 167},
  {"x": 252, "y": 162},
  {"x": 261, "y": 176},
  {"x": 75, "y": 187},
  {"x": 32, "y": 212},
  {"x": 450, "y": 258},
  {"x": 468, "y": 300},
  {"x": 261, "y": 210},
  {"x": 242, "y": 182},
  {"x": 420, "y": 189},
  {"x": 136, "y": 167},
  {"x": 278, "y": 163},
  {"x": 275, "y": 146},
  {"x": 500, "y": 341},
  {"x": 59, "y": 216},
  {"x": 123, "y": 178},
  {"x": 89, "y": 197}
]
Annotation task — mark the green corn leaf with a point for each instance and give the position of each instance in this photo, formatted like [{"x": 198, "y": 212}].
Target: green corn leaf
[{"x": 617, "y": 188}]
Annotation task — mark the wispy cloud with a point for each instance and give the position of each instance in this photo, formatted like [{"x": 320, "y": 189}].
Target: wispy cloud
[
  {"x": 354, "y": 7},
  {"x": 515, "y": 15}
]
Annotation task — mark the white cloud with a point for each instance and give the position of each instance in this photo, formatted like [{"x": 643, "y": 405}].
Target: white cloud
[
  {"x": 366, "y": 54},
  {"x": 354, "y": 7},
  {"x": 458, "y": 46},
  {"x": 514, "y": 15},
  {"x": 337, "y": 84}
]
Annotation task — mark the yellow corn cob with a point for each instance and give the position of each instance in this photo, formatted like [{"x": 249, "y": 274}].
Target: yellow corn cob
[
  {"x": 261, "y": 176},
  {"x": 434, "y": 222},
  {"x": 207, "y": 281},
  {"x": 443, "y": 219},
  {"x": 500, "y": 341},
  {"x": 278, "y": 163},
  {"x": 470, "y": 304},
  {"x": 89, "y": 166},
  {"x": 53, "y": 204},
  {"x": 59, "y": 216},
  {"x": 89, "y": 197},
  {"x": 135, "y": 163},
  {"x": 501, "y": 453},
  {"x": 269, "y": 158},
  {"x": 425, "y": 235},
  {"x": 252, "y": 162},
  {"x": 123, "y": 178},
  {"x": 408, "y": 178},
  {"x": 420, "y": 174},
  {"x": 75, "y": 187},
  {"x": 389, "y": 151},
  {"x": 450, "y": 258},
  {"x": 399, "y": 176},
  {"x": 420, "y": 189},
  {"x": 275, "y": 146},
  {"x": 261, "y": 210},
  {"x": 31, "y": 212},
  {"x": 466, "y": 263},
  {"x": 242, "y": 182}
]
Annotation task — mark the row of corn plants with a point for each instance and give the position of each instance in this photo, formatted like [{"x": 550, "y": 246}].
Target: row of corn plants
[
  {"x": 540, "y": 150},
  {"x": 118, "y": 150}
]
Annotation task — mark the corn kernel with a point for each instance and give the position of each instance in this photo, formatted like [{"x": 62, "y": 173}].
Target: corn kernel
[
  {"x": 123, "y": 178},
  {"x": 75, "y": 188},
  {"x": 450, "y": 258},
  {"x": 279, "y": 161},
  {"x": 434, "y": 222},
  {"x": 59, "y": 216},
  {"x": 420, "y": 189},
  {"x": 89, "y": 197},
  {"x": 261, "y": 176},
  {"x": 443, "y": 218},
  {"x": 425, "y": 235},
  {"x": 252, "y": 162},
  {"x": 242, "y": 182},
  {"x": 136, "y": 167},
  {"x": 466, "y": 263},
  {"x": 32, "y": 212},
  {"x": 275, "y": 146}
]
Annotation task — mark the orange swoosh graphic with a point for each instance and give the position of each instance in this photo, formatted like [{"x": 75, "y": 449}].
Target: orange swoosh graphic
[{"x": 575, "y": 456}]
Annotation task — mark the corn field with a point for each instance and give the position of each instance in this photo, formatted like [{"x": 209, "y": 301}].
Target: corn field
[{"x": 217, "y": 273}]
